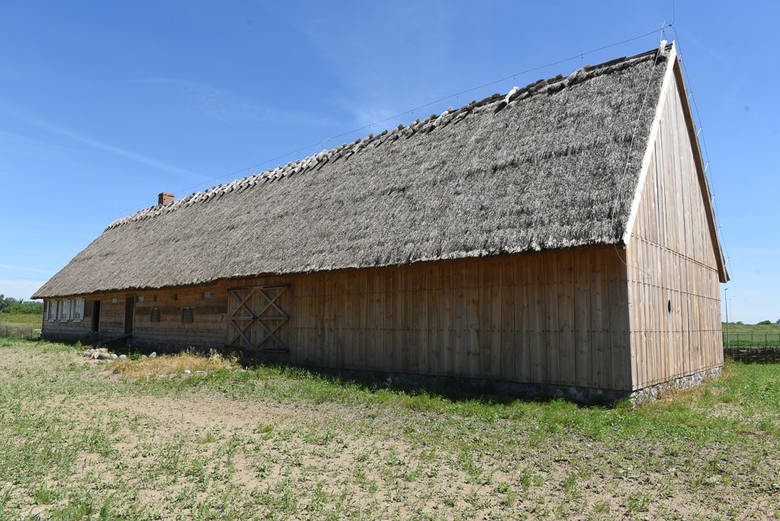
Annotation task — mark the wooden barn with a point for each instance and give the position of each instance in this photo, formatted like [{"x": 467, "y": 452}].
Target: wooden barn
[{"x": 556, "y": 239}]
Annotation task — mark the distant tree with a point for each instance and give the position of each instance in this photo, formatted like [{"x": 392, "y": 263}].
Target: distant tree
[
  {"x": 12, "y": 305},
  {"x": 764, "y": 323},
  {"x": 778, "y": 322}
]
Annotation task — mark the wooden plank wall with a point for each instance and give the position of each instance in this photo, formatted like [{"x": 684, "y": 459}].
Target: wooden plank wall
[
  {"x": 555, "y": 317},
  {"x": 671, "y": 263}
]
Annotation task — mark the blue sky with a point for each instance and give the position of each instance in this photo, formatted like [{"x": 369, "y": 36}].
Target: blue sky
[{"x": 105, "y": 104}]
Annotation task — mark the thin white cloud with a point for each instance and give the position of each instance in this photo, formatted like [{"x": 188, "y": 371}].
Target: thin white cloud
[
  {"x": 16, "y": 267},
  {"x": 52, "y": 128},
  {"x": 375, "y": 118},
  {"x": 19, "y": 288},
  {"x": 224, "y": 105}
]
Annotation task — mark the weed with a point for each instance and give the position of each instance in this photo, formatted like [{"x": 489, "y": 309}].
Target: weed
[
  {"x": 601, "y": 507},
  {"x": 145, "y": 368},
  {"x": 45, "y": 495},
  {"x": 207, "y": 437},
  {"x": 570, "y": 485},
  {"x": 638, "y": 503}
]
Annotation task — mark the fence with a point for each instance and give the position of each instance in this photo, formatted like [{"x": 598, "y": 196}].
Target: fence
[
  {"x": 752, "y": 347},
  {"x": 753, "y": 355},
  {"x": 17, "y": 331},
  {"x": 751, "y": 339}
]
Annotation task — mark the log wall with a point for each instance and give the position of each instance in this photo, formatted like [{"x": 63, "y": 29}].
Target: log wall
[{"x": 57, "y": 329}]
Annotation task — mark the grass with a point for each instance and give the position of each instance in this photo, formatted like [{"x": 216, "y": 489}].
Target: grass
[
  {"x": 745, "y": 329},
  {"x": 144, "y": 439},
  {"x": 22, "y": 325},
  {"x": 22, "y": 319},
  {"x": 171, "y": 365}
]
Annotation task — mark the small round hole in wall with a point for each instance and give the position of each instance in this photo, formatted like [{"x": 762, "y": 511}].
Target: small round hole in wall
[{"x": 669, "y": 305}]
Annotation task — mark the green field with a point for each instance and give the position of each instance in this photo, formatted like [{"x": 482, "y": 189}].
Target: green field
[
  {"x": 144, "y": 439},
  {"x": 734, "y": 327},
  {"x": 22, "y": 325},
  {"x": 751, "y": 335},
  {"x": 22, "y": 319}
]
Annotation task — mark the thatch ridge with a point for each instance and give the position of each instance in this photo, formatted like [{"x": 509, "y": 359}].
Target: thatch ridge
[
  {"x": 537, "y": 168},
  {"x": 345, "y": 150}
]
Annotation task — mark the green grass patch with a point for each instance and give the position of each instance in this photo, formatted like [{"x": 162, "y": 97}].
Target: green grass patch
[
  {"x": 738, "y": 328},
  {"x": 22, "y": 319},
  {"x": 144, "y": 439}
]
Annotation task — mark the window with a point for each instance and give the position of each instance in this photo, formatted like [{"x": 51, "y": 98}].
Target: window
[
  {"x": 51, "y": 310},
  {"x": 78, "y": 309},
  {"x": 187, "y": 315},
  {"x": 64, "y": 310},
  {"x": 155, "y": 315}
]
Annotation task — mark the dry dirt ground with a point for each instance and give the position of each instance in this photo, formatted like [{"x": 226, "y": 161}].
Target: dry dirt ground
[{"x": 82, "y": 442}]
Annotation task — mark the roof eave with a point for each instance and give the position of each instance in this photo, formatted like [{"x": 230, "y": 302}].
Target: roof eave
[
  {"x": 674, "y": 76},
  {"x": 701, "y": 172}
]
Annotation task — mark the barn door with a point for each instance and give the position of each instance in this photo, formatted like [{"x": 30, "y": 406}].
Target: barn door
[
  {"x": 95, "y": 324},
  {"x": 256, "y": 317},
  {"x": 129, "y": 312}
]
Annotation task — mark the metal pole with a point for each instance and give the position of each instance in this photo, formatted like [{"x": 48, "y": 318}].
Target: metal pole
[{"x": 726, "y": 298}]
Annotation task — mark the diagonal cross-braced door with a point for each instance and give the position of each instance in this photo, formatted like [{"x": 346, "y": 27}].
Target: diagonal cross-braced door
[{"x": 256, "y": 317}]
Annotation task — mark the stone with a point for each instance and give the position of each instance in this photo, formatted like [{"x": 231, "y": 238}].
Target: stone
[{"x": 153, "y": 354}]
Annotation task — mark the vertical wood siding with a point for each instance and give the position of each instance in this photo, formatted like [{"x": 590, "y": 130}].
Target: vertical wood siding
[
  {"x": 671, "y": 262},
  {"x": 555, "y": 317}
]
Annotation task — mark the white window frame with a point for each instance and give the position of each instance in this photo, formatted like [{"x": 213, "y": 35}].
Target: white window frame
[
  {"x": 77, "y": 311},
  {"x": 65, "y": 310},
  {"x": 51, "y": 310}
]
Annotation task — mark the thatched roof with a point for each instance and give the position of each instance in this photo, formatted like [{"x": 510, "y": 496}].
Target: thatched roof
[{"x": 551, "y": 165}]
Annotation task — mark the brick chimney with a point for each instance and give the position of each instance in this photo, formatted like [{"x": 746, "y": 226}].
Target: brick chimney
[{"x": 164, "y": 199}]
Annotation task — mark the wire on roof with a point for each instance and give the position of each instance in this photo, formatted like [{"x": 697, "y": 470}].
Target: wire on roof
[
  {"x": 369, "y": 126},
  {"x": 702, "y": 141}
]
